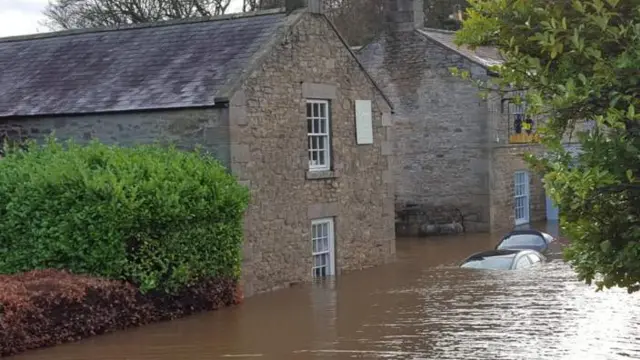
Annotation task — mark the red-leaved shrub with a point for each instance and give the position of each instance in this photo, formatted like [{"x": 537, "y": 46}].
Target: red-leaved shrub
[{"x": 48, "y": 307}]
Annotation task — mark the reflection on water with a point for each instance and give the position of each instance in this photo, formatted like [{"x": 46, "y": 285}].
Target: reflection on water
[{"x": 421, "y": 307}]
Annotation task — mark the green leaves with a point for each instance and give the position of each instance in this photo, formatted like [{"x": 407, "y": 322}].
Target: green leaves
[
  {"x": 156, "y": 216},
  {"x": 578, "y": 62}
]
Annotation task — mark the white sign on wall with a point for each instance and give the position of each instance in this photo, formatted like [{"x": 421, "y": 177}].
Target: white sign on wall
[{"x": 364, "y": 122}]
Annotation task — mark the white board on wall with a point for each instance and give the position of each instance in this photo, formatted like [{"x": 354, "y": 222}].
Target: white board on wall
[{"x": 364, "y": 122}]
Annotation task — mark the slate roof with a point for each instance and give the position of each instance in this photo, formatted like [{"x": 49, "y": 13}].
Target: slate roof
[
  {"x": 166, "y": 65},
  {"x": 483, "y": 55}
]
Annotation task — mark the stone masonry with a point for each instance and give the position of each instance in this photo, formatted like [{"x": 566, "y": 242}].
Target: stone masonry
[
  {"x": 454, "y": 167},
  {"x": 441, "y": 127},
  {"x": 185, "y": 128},
  {"x": 506, "y": 160},
  {"x": 269, "y": 151},
  {"x": 250, "y": 113}
]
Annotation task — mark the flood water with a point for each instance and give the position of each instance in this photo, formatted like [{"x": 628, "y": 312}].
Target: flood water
[{"x": 420, "y": 307}]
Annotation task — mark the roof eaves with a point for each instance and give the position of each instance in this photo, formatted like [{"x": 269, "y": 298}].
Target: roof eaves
[
  {"x": 485, "y": 64},
  {"x": 192, "y": 20},
  {"x": 355, "y": 57},
  {"x": 113, "y": 111}
]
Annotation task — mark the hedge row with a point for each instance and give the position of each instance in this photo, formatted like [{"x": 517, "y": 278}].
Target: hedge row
[
  {"x": 155, "y": 216},
  {"x": 48, "y": 307}
]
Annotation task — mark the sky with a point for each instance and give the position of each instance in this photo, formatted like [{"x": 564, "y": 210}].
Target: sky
[{"x": 21, "y": 17}]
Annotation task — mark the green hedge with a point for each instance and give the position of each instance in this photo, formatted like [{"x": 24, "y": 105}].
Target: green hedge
[{"x": 156, "y": 216}]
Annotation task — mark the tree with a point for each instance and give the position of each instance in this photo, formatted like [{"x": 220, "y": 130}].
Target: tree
[
  {"x": 72, "y": 14},
  {"x": 441, "y": 14},
  {"x": 578, "y": 61},
  {"x": 254, "y": 5}
]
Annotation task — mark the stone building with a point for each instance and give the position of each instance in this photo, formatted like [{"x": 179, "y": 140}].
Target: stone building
[
  {"x": 276, "y": 96},
  {"x": 458, "y": 157}
]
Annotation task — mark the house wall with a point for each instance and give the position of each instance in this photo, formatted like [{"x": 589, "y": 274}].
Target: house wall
[
  {"x": 185, "y": 128},
  {"x": 505, "y": 161},
  {"x": 269, "y": 153},
  {"x": 441, "y": 131}
]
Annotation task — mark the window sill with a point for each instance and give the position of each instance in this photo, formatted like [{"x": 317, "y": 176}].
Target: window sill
[{"x": 320, "y": 175}]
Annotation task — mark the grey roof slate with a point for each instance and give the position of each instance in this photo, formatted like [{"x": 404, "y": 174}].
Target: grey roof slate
[
  {"x": 483, "y": 55},
  {"x": 166, "y": 65}
]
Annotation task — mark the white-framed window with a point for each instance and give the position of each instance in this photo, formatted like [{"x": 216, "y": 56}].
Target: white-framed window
[
  {"x": 318, "y": 134},
  {"x": 322, "y": 248},
  {"x": 521, "y": 197}
]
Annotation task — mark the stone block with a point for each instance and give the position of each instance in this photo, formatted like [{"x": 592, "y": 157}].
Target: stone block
[
  {"x": 387, "y": 177},
  {"x": 240, "y": 153},
  {"x": 319, "y": 91},
  {"x": 322, "y": 210},
  {"x": 386, "y": 148},
  {"x": 386, "y": 119}
]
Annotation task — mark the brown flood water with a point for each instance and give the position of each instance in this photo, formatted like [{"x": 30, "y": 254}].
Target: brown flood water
[{"x": 420, "y": 307}]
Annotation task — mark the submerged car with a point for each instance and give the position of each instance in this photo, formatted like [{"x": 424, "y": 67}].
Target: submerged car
[
  {"x": 508, "y": 259},
  {"x": 526, "y": 239}
]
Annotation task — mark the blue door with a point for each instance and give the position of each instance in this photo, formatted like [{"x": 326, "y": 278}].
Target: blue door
[{"x": 552, "y": 210}]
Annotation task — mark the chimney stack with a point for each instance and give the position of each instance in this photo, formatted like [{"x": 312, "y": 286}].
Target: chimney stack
[
  {"x": 313, "y": 6},
  {"x": 404, "y": 15},
  {"x": 316, "y": 6}
]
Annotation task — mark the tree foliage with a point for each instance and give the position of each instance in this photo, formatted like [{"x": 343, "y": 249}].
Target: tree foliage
[
  {"x": 154, "y": 216},
  {"x": 72, "y": 14},
  {"x": 578, "y": 61}
]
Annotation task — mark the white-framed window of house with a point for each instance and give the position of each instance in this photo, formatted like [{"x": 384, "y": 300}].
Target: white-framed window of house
[
  {"x": 521, "y": 197},
  {"x": 319, "y": 135},
  {"x": 323, "y": 248}
]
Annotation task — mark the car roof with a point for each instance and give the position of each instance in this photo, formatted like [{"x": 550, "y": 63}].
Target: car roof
[
  {"x": 491, "y": 253},
  {"x": 524, "y": 232}
]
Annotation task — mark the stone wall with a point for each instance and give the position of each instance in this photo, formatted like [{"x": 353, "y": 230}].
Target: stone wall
[
  {"x": 269, "y": 153},
  {"x": 442, "y": 132},
  {"x": 506, "y": 160},
  {"x": 184, "y": 128}
]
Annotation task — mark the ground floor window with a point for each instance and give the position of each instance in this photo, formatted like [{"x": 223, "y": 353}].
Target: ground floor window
[
  {"x": 521, "y": 197},
  {"x": 323, "y": 242}
]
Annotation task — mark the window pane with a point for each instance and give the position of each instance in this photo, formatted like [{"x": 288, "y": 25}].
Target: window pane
[
  {"x": 321, "y": 142},
  {"x": 323, "y": 126},
  {"x": 309, "y": 125},
  {"x": 323, "y": 110},
  {"x": 309, "y": 110},
  {"x": 316, "y": 126},
  {"x": 321, "y": 158},
  {"x": 315, "y": 110}
]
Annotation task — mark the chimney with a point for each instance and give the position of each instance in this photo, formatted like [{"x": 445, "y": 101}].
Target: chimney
[
  {"x": 404, "y": 15},
  {"x": 313, "y": 6}
]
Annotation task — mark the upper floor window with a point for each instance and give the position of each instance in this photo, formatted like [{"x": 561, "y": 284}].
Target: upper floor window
[
  {"x": 521, "y": 122},
  {"x": 318, "y": 134},
  {"x": 521, "y": 126}
]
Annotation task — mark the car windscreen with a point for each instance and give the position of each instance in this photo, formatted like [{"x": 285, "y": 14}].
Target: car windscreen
[
  {"x": 523, "y": 240},
  {"x": 489, "y": 262}
]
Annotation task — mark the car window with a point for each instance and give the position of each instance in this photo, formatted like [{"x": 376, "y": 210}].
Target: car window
[
  {"x": 490, "y": 262},
  {"x": 534, "y": 258},
  {"x": 523, "y": 262},
  {"x": 522, "y": 240}
]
